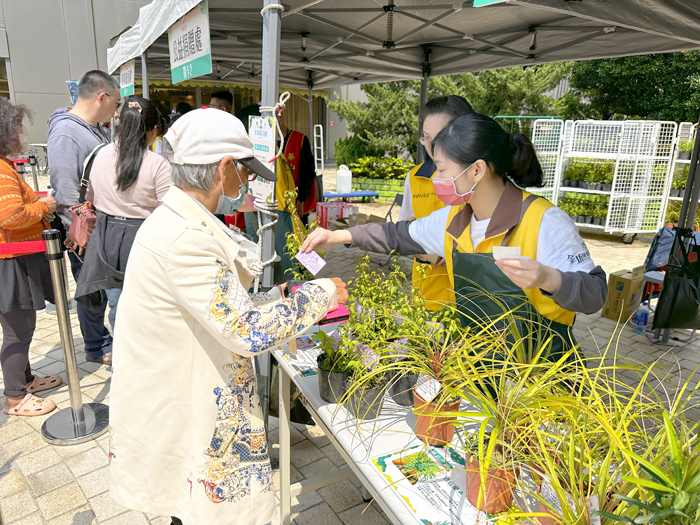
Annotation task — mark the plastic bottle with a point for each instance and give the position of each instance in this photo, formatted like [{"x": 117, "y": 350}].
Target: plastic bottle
[{"x": 640, "y": 322}]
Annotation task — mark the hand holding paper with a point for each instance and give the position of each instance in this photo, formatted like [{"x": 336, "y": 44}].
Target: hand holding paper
[{"x": 529, "y": 273}]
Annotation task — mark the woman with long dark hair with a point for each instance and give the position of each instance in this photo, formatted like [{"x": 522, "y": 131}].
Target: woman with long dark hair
[
  {"x": 25, "y": 280},
  {"x": 127, "y": 183},
  {"x": 547, "y": 273}
]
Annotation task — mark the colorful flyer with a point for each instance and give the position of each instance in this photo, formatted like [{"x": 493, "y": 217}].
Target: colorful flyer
[{"x": 432, "y": 482}]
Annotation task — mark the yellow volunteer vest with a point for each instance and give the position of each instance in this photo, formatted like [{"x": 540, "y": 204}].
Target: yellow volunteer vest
[
  {"x": 435, "y": 288},
  {"x": 285, "y": 182},
  {"x": 525, "y": 235}
]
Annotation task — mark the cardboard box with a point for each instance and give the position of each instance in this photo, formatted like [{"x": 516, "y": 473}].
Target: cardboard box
[{"x": 624, "y": 287}]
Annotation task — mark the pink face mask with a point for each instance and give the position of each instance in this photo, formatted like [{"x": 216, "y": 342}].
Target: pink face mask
[{"x": 446, "y": 190}]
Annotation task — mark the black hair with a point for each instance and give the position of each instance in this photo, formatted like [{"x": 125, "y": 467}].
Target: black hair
[
  {"x": 452, "y": 105},
  {"x": 182, "y": 108},
  {"x": 223, "y": 95},
  {"x": 11, "y": 127},
  {"x": 251, "y": 110},
  {"x": 95, "y": 82},
  {"x": 131, "y": 138},
  {"x": 473, "y": 137}
]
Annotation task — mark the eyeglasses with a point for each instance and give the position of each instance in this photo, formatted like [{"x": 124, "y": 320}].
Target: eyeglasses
[
  {"x": 119, "y": 102},
  {"x": 252, "y": 176},
  {"x": 424, "y": 141}
]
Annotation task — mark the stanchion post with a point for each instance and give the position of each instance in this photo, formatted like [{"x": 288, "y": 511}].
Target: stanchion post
[
  {"x": 78, "y": 423},
  {"x": 32, "y": 164}
]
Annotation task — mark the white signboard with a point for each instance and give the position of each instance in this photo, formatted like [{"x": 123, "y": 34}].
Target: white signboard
[
  {"x": 190, "y": 46},
  {"x": 126, "y": 79},
  {"x": 261, "y": 131}
]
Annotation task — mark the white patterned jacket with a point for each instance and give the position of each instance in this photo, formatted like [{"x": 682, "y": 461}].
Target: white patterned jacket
[{"x": 187, "y": 436}]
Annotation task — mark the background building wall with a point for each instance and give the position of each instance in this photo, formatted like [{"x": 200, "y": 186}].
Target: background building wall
[{"x": 52, "y": 41}]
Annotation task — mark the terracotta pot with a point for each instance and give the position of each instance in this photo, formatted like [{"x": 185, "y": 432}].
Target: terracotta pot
[
  {"x": 436, "y": 431},
  {"x": 548, "y": 520},
  {"x": 499, "y": 485}
]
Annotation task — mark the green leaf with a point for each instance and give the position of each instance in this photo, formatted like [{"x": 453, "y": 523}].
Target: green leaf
[
  {"x": 681, "y": 500},
  {"x": 634, "y": 502},
  {"x": 652, "y": 485},
  {"x": 612, "y": 517}
]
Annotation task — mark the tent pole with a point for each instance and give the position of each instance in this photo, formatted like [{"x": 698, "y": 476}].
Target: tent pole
[
  {"x": 144, "y": 77},
  {"x": 423, "y": 98},
  {"x": 272, "y": 28},
  {"x": 310, "y": 83},
  {"x": 689, "y": 207}
]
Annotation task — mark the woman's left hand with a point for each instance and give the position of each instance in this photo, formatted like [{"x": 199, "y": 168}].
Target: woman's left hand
[{"x": 530, "y": 273}]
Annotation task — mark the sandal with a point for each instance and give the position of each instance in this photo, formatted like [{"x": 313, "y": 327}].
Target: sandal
[
  {"x": 30, "y": 406},
  {"x": 104, "y": 359},
  {"x": 44, "y": 383}
]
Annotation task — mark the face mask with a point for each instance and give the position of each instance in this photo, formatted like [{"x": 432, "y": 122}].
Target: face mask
[
  {"x": 446, "y": 190},
  {"x": 228, "y": 205}
]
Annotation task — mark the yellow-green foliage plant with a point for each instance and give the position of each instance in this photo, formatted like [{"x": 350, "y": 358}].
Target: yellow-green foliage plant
[{"x": 296, "y": 238}]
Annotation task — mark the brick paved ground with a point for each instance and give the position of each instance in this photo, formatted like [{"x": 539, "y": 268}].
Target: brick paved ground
[{"x": 46, "y": 484}]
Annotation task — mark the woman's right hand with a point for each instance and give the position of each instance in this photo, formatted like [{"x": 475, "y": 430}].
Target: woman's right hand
[
  {"x": 321, "y": 239},
  {"x": 50, "y": 203}
]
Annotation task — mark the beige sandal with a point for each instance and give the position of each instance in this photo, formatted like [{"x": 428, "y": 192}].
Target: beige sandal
[
  {"x": 30, "y": 406},
  {"x": 44, "y": 383}
]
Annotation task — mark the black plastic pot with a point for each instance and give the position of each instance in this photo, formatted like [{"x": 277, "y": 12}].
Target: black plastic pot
[
  {"x": 366, "y": 403},
  {"x": 598, "y": 222},
  {"x": 674, "y": 192},
  {"x": 598, "y": 186},
  {"x": 589, "y": 220},
  {"x": 574, "y": 184},
  {"x": 580, "y": 219},
  {"x": 331, "y": 385},
  {"x": 401, "y": 388},
  {"x": 684, "y": 155},
  {"x": 681, "y": 193},
  {"x": 607, "y": 187},
  {"x": 566, "y": 183}
]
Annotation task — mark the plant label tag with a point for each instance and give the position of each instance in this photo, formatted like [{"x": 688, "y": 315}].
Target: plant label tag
[
  {"x": 507, "y": 252},
  {"x": 369, "y": 357},
  {"x": 593, "y": 506},
  {"x": 427, "y": 387},
  {"x": 311, "y": 261}
]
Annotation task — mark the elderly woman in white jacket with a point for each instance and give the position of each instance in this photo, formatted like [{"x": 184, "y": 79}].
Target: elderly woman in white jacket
[{"x": 188, "y": 439}]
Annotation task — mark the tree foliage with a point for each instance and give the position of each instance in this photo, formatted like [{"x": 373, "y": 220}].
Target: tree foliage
[
  {"x": 388, "y": 121},
  {"x": 658, "y": 87}
]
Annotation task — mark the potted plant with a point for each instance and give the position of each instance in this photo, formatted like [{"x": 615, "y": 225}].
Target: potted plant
[
  {"x": 365, "y": 393},
  {"x": 685, "y": 149},
  {"x": 334, "y": 366},
  {"x": 678, "y": 187}
]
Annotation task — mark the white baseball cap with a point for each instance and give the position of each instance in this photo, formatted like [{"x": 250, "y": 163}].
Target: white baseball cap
[{"x": 205, "y": 136}]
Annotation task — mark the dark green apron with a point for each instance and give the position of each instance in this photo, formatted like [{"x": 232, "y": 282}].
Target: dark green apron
[{"x": 484, "y": 293}]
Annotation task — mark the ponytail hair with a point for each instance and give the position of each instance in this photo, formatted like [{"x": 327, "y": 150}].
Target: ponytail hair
[
  {"x": 137, "y": 118},
  {"x": 477, "y": 137}
]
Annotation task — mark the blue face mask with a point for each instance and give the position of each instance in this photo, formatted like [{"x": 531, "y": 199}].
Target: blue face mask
[{"x": 228, "y": 205}]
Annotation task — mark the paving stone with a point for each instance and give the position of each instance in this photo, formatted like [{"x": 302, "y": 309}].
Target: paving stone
[
  {"x": 332, "y": 453},
  {"x": 95, "y": 483},
  {"x": 34, "y": 519},
  {"x": 363, "y": 515},
  {"x": 36, "y": 461},
  {"x": 17, "y": 506},
  {"x": 11, "y": 483},
  {"x": 87, "y": 461},
  {"x": 81, "y": 516},
  {"x": 27, "y": 443},
  {"x": 304, "y": 453},
  {"x": 162, "y": 520},
  {"x": 66, "y": 452},
  {"x": 305, "y": 501},
  {"x": 318, "y": 515},
  {"x": 129, "y": 518},
  {"x": 341, "y": 496},
  {"x": 317, "y": 436},
  {"x": 320, "y": 467},
  {"x": 56, "y": 367},
  {"x": 49, "y": 479},
  {"x": 105, "y": 507},
  {"x": 60, "y": 501},
  {"x": 13, "y": 429}
]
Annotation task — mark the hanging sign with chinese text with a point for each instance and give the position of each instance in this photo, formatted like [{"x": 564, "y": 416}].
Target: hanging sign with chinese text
[
  {"x": 262, "y": 135},
  {"x": 190, "y": 46},
  {"x": 126, "y": 79}
]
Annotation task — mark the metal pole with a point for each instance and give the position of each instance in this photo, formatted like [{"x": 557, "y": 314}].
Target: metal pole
[
  {"x": 197, "y": 97},
  {"x": 272, "y": 28},
  {"x": 423, "y": 98},
  {"x": 692, "y": 190},
  {"x": 78, "y": 423},
  {"x": 310, "y": 83},
  {"x": 144, "y": 77},
  {"x": 269, "y": 95},
  {"x": 32, "y": 163}
]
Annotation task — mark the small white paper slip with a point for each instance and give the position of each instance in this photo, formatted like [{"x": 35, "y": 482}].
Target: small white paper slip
[
  {"x": 508, "y": 252},
  {"x": 427, "y": 387},
  {"x": 311, "y": 261},
  {"x": 593, "y": 505}
]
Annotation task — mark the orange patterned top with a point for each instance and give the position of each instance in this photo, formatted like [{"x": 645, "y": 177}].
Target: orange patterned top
[{"x": 21, "y": 214}]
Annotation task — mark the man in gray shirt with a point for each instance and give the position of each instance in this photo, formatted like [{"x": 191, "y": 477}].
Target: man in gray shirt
[{"x": 72, "y": 137}]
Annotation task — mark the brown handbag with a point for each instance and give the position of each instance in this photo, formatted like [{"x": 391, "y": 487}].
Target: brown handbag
[{"x": 82, "y": 214}]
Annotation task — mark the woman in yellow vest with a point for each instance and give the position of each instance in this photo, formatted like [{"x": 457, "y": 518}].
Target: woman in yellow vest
[
  {"x": 480, "y": 170},
  {"x": 419, "y": 199}
]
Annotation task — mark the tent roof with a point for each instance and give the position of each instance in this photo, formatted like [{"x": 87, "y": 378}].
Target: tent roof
[{"x": 370, "y": 41}]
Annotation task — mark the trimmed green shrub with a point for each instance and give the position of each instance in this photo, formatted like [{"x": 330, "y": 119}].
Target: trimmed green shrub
[
  {"x": 349, "y": 150},
  {"x": 380, "y": 167}
]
